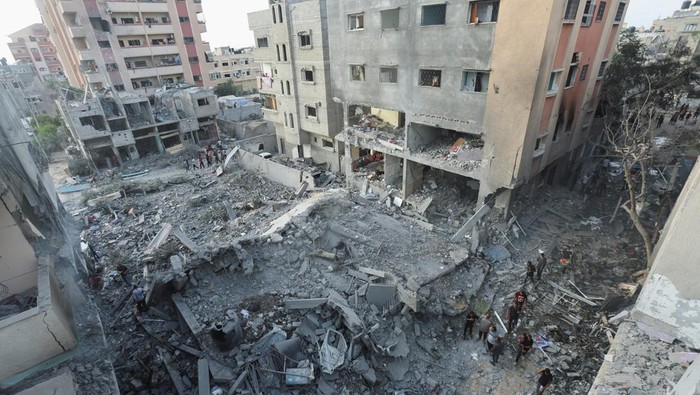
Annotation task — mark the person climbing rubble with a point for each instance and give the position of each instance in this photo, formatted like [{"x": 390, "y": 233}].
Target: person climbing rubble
[
  {"x": 541, "y": 264},
  {"x": 567, "y": 259},
  {"x": 544, "y": 381},
  {"x": 139, "y": 295},
  {"x": 124, "y": 273},
  {"x": 469, "y": 324},
  {"x": 491, "y": 339},
  {"x": 484, "y": 326},
  {"x": 497, "y": 350},
  {"x": 512, "y": 315},
  {"x": 520, "y": 299},
  {"x": 529, "y": 272},
  {"x": 525, "y": 343}
]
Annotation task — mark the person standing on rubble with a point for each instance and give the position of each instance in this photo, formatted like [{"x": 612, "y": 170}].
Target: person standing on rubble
[
  {"x": 512, "y": 315},
  {"x": 484, "y": 326},
  {"x": 567, "y": 258},
  {"x": 529, "y": 272},
  {"x": 543, "y": 381},
  {"x": 469, "y": 324},
  {"x": 194, "y": 164},
  {"x": 139, "y": 295},
  {"x": 491, "y": 339},
  {"x": 541, "y": 263},
  {"x": 124, "y": 273},
  {"x": 520, "y": 299},
  {"x": 497, "y": 350},
  {"x": 187, "y": 164},
  {"x": 201, "y": 161},
  {"x": 525, "y": 343}
]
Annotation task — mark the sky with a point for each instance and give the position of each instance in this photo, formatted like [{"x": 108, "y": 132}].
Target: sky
[{"x": 227, "y": 21}]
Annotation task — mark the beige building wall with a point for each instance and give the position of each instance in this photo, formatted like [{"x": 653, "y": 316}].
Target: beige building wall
[
  {"x": 31, "y": 45},
  {"x": 18, "y": 266},
  {"x": 236, "y": 66}
]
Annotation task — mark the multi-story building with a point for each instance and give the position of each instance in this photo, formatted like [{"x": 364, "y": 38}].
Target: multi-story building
[
  {"x": 119, "y": 126},
  {"x": 494, "y": 92},
  {"x": 30, "y": 94},
  {"x": 681, "y": 28},
  {"x": 292, "y": 49},
  {"x": 235, "y": 65},
  {"x": 129, "y": 45},
  {"x": 32, "y": 46}
]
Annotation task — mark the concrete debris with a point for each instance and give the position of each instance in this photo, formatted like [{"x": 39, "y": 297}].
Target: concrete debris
[
  {"x": 186, "y": 314},
  {"x": 380, "y": 294},
  {"x": 656, "y": 333},
  {"x": 396, "y": 370},
  {"x": 203, "y": 377},
  {"x": 350, "y": 317},
  {"x": 618, "y": 317},
  {"x": 305, "y": 303},
  {"x": 160, "y": 238},
  {"x": 496, "y": 253},
  {"x": 332, "y": 351},
  {"x": 186, "y": 241}
]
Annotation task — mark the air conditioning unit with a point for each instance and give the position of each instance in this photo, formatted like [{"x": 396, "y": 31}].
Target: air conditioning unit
[{"x": 108, "y": 11}]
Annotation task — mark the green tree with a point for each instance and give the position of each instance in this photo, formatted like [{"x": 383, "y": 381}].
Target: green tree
[
  {"x": 227, "y": 88},
  {"x": 50, "y": 133},
  {"x": 635, "y": 91}
]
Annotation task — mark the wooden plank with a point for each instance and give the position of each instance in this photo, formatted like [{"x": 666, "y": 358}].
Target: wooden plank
[
  {"x": 571, "y": 294},
  {"x": 186, "y": 241},
  {"x": 372, "y": 272},
  {"x": 238, "y": 382},
  {"x": 174, "y": 375},
  {"x": 160, "y": 238},
  {"x": 470, "y": 223},
  {"x": 186, "y": 314},
  {"x": 189, "y": 350},
  {"x": 203, "y": 377}
]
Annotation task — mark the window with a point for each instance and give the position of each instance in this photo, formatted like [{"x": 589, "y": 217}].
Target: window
[
  {"x": 214, "y": 75},
  {"x": 475, "y": 81},
  {"x": 227, "y": 75},
  {"x": 119, "y": 87},
  {"x": 307, "y": 75},
  {"x": 327, "y": 143},
  {"x": 388, "y": 75},
  {"x": 357, "y": 72},
  {"x": 284, "y": 52},
  {"x": 573, "y": 68},
  {"x": 601, "y": 71},
  {"x": 134, "y": 43},
  {"x": 483, "y": 11},
  {"x": 690, "y": 27},
  {"x": 356, "y": 21},
  {"x": 430, "y": 78},
  {"x": 279, "y": 12},
  {"x": 289, "y": 90},
  {"x": 390, "y": 19},
  {"x": 310, "y": 111},
  {"x": 224, "y": 64},
  {"x": 433, "y": 15},
  {"x": 540, "y": 146},
  {"x": 203, "y": 101},
  {"x": 304, "y": 39},
  {"x": 262, "y": 42},
  {"x": 620, "y": 12},
  {"x": 291, "y": 120},
  {"x": 553, "y": 84},
  {"x": 140, "y": 64},
  {"x": 274, "y": 15},
  {"x": 285, "y": 120},
  {"x": 282, "y": 87},
  {"x": 193, "y": 59},
  {"x": 558, "y": 127},
  {"x": 197, "y": 77},
  {"x": 279, "y": 58},
  {"x": 584, "y": 72},
  {"x": 571, "y": 10},
  {"x": 188, "y": 40},
  {"x": 184, "y": 19},
  {"x": 588, "y": 9},
  {"x": 103, "y": 44},
  {"x": 601, "y": 11},
  {"x": 127, "y": 21},
  {"x": 146, "y": 83}
]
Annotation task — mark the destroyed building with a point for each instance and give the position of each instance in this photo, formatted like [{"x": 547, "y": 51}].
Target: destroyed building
[
  {"x": 419, "y": 107},
  {"x": 115, "y": 127}
]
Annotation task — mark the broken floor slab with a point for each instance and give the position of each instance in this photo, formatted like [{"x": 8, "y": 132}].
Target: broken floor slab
[{"x": 380, "y": 294}]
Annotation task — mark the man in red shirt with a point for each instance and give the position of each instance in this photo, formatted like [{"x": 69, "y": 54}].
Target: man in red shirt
[{"x": 520, "y": 299}]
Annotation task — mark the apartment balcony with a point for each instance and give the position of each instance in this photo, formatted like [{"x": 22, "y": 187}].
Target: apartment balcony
[
  {"x": 15, "y": 45},
  {"x": 137, "y": 29},
  {"x": 86, "y": 54},
  {"x": 153, "y": 50},
  {"x": 76, "y": 31},
  {"x": 147, "y": 72},
  {"x": 66, "y": 7},
  {"x": 142, "y": 6}
]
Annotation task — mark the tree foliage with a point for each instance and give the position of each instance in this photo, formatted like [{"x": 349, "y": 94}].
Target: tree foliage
[
  {"x": 228, "y": 88},
  {"x": 50, "y": 133}
]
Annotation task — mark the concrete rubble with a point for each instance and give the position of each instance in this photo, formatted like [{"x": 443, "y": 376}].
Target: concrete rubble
[{"x": 263, "y": 289}]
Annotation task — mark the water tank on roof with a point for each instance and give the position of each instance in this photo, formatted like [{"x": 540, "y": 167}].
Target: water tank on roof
[{"x": 686, "y": 5}]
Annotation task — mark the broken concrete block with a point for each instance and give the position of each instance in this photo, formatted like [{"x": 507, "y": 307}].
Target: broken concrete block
[
  {"x": 396, "y": 369},
  {"x": 203, "y": 377},
  {"x": 496, "y": 253},
  {"x": 186, "y": 241},
  {"x": 361, "y": 367},
  {"x": 276, "y": 238},
  {"x": 380, "y": 294},
  {"x": 186, "y": 314},
  {"x": 220, "y": 373},
  {"x": 350, "y": 318},
  {"x": 176, "y": 264},
  {"x": 304, "y": 303},
  {"x": 618, "y": 317},
  {"x": 332, "y": 352}
]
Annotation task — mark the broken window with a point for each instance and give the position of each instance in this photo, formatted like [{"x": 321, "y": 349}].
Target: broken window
[
  {"x": 119, "y": 87},
  {"x": 203, "y": 101},
  {"x": 103, "y": 44},
  {"x": 327, "y": 143},
  {"x": 584, "y": 72},
  {"x": 134, "y": 43},
  {"x": 307, "y": 75},
  {"x": 356, "y": 21},
  {"x": 304, "y": 39},
  {"x": 140, "y": 64},
  {"x": 601, "y": 11},
  {"x": 588, "y": 9},
  {"x": 558, "y": 127},
  {"x": 539, "y": 146},
  {"x": 475, "y": 81},
  {"x": 390, "y": 19},
  {"x": 95, "y": 121},
  {"x": 433, "y": 15},
  {"x": 388, "y": 75},
  {"x": 620, "y": 12},
  {"x": 571, "y": 10},
  {"x": 214, "y": 76},
  {"x": 689, "y": 27},
  {"x": 146, "y": 83},
  {"x": 310, "y": 111},
  {"x": 193, "y": 59},
  {"x": 357, "y": 72},
  {"x": 112, "y": 67},
  {"x": 262, "y": 42},
  {"x": 573, "y": 69},
  {"x": 427, "y": 77},
  {"x": 270, "y": 102},
  {"x": 553, "y": 84},
  {"x": 601, "y": 71},
  {"x": 483, "y": 11},
  {"x": 188, "y": 40}
]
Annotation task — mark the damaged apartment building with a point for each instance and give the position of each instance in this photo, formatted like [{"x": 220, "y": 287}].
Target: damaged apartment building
[
  {"x": 469, "y": 90},
  {"x": 114, "y": 127}
]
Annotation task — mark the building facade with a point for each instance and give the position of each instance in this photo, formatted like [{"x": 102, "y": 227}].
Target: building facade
[
  {"x": 31, "y": 95},
  {"x": 469, "y": 88},
  {"x": 681, "y": 28},
  {"x": 32, "y": 46},
  {"x": 292, "y": 48},
  {"x": 119, "y": 126},
  {"x": 237, "y": 66},
  {"x": 129, "y": 45}
]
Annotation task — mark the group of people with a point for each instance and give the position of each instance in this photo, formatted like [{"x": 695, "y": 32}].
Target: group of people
[
  {"x": 683, "y": 114},
  {"x": 212, "y": 156},
  {"x": 488, "y": 333}
]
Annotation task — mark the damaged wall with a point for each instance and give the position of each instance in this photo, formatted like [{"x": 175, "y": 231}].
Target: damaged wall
[
  {"x": 18, "y": 264},
  {"x": 274, "y": 171},
  {"x": 670, "y": 298}
]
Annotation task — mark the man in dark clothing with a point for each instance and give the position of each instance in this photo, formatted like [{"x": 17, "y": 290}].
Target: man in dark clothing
[
  {"x": 543, "y": 381},
  {"x": 496, "y": 350},
  {"x": 512, "y": 314},
  {"x": 541, "y": 263},
  {"x": 201, "y": 161},
  {"x": 469, "y": 324},
  {"x": 139, "y": 295},
  {"x": 520, "y": 299},
  {"x": 187, "y": 165},
  {"x": 567, "y": 257},
  {"x": 123, "y": 272},
  {"x": 529, "y": 272},
  {"x": 525, "y": 344}
]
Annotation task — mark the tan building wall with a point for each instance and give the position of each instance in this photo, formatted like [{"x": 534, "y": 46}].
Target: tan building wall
[
  {"x": 31, "y": 45},
  {"x": 237, "y": 66},
  {"x": 19, "y": 265}
]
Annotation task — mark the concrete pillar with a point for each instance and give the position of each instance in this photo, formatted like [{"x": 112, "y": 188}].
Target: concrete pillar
[
  {"x": 159, "y": 143},
  {"x": 392, "y": 171},
  {"x": 412, "y": 177},
  {"x": 115, "y": 151}
]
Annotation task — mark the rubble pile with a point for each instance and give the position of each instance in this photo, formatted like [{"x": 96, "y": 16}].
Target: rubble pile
[{"x": 383, "y": 130}]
